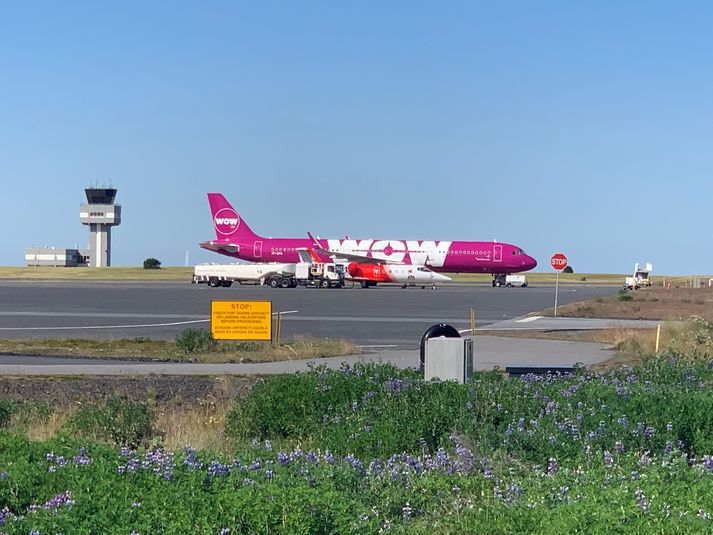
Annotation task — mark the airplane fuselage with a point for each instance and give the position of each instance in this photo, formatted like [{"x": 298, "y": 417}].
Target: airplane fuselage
[{"x": 440, "y": 256}]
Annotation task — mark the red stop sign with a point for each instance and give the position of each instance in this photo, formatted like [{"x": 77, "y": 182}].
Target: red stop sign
[{"x": 558, "y": 261}]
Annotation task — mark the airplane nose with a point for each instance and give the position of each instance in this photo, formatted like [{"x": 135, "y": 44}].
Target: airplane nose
[
  {"x": 530, "y": 263},
  {"x": 439, "y": 277}
]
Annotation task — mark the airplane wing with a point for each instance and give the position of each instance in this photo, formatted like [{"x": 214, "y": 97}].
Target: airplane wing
[
  {"x": 351, "y": 257},
  {"x": 359, "y": 259},
  {"x": 307, "y": 255}
]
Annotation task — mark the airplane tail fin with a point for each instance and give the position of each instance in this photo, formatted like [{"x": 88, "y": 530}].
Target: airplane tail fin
[{"x": 227, "y": 222}]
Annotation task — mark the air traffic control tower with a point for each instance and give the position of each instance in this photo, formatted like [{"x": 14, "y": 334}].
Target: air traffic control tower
[{"x": 100, "y": 213}]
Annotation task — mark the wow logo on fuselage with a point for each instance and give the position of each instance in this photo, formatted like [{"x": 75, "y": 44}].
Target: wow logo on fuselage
[{"x": 226, "y": 221}]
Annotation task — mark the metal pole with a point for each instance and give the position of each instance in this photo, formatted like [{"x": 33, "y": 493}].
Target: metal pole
[
  {"x": 557, "y": 289},
  {"x": 658, "y": 337},
  {"x": 472, "y": 321}
]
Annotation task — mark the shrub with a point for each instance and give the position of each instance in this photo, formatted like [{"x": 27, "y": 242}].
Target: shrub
[
  {"x": 121, "y": 421},
  {"x": 364, "y": 410},
  {"x": 152, "y": 263},
  {"x": 7, "y": 409},
  {"x": 568, "y": 269},
  {"x": 623, "y": 295},
  {"x": 195, "y": 340}
]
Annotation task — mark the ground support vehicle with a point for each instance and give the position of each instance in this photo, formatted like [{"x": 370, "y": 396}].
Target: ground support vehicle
[
  {"x": 275, "y": 275},
  {"x": 501, "y": 279},
  {"x": 215, "y": 275},
  {"x": 641, "y": 278}
]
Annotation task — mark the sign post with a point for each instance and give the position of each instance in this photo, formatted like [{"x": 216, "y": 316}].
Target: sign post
[{"x": 559, "y": 262}]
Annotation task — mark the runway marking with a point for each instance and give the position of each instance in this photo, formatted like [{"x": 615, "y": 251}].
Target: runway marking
[
  {"x": 101, "y": 326},
  {"x": 171, "y": 324},
  {"x": 528, "y": 320},
  {"x": 374, "y": 346}
]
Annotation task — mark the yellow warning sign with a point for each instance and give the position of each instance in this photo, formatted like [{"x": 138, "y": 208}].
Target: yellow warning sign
[{"x": 241, "y": 320}]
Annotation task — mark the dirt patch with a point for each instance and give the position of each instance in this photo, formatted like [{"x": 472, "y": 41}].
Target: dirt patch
[
  {"x": 666, "y": 304},
  {"x": 163, "y": 390}
]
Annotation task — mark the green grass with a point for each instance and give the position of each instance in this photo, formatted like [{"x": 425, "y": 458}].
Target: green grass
[
  {"x": 163, "y": 350},
  {"x": 88, "y": 273}
]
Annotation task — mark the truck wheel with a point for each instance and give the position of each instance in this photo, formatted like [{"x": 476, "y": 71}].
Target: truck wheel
[
  {"x": 274, "y": 282},
  {"x": 213, "y": 283},
  {"x": 227, "y": 284},
  {"x": 284, "y": 283},
  {"x": 509, "y": 285},
  {"x": 324, "y": 283}
]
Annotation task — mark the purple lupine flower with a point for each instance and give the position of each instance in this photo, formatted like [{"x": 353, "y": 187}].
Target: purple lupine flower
[
  {"x": 552, "y": 466},
  {"x": 669, "y": 447},
  {"x": 406, "y": 511},
  {"x": 634, "y": 475},
  {"x": 619, "y": 447},
  {"x": 136, "y": 504},
  {"x": 5, "y": 514},
  {"x": 649, "y": 431},
  {"x": 704, "y": 515},
  {"x": 190, "y": 459},
  {"x": 641, "y": 500},
  {"x": 608, "y": 461},
  {"x": 707, "y": 462},
  {"x": 83, "y": 458},
  {"x": 224, "y": 531},
  {"x": 669, "y": 427},
  {"x": 645, "y": 460}
]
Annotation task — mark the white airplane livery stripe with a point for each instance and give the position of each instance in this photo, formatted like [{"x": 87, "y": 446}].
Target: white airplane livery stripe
[{"x": 422, "y": 253}]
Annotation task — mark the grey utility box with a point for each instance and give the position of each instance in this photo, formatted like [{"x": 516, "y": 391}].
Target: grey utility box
[{"x": 449, "y": 359}]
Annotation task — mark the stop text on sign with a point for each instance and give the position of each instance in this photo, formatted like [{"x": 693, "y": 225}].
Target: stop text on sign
[{"x": 558, "y": 261}]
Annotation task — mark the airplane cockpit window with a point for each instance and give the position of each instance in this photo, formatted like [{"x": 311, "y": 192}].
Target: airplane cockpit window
[
  {"x": 426, "y": 270},
  {"x": 518, "y": 252}
]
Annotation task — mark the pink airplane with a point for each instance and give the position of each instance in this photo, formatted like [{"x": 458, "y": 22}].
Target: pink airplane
[{"x": 235, "y": 238}]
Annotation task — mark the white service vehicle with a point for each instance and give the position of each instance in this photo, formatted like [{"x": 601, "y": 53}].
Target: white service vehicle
[
  {"x": 215, "y": 275},
  {"x": 510, "y": 280},
  {"x": 275, "y": 275},
  {"x": 641, "y": 278}
]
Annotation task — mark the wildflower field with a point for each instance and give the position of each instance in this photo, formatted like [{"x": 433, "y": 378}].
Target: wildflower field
[{"x": 372, "y": 449}]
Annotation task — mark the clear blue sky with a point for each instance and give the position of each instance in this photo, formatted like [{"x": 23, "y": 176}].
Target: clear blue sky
[{"x": 581, "y": 127}]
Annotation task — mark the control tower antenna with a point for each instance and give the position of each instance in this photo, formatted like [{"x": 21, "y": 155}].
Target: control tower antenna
[{"x": 100, "y": 213}]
